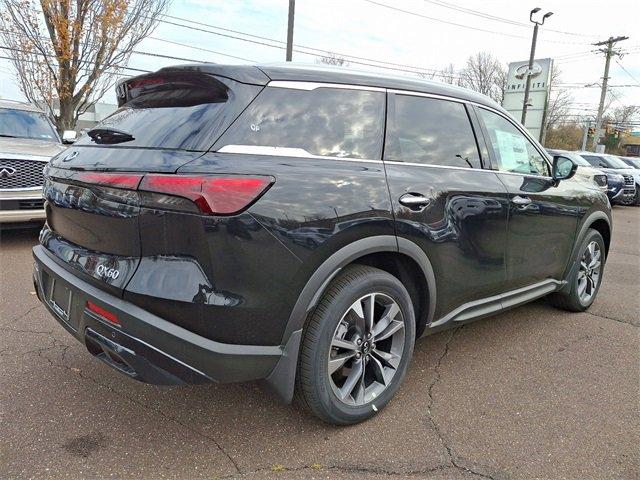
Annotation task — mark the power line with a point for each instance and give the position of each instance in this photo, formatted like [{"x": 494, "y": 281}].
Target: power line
[
  {"x": 499, "y": 19},
  {"x": 628, "y": 73},
  {"x": 201, "y": 49},
  {"x": 350, "y": 58},
  {"x": 53, "y": 56},
  {"x": 461, "y": 25}
]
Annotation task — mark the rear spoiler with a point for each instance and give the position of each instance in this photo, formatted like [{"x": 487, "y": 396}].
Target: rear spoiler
[{"x": 240, "y": 73}]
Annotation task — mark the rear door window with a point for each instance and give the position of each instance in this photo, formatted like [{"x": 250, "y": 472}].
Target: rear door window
[
  {"x": 325, "y": 121},
  {"x": 430, "y": 131},
  {"x": 177, "y": 110}
]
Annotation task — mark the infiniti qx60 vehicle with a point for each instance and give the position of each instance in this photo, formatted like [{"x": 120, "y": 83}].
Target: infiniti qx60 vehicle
[
  {"x": 28, "y": 140},
  {"x": 303, "y": 227}
]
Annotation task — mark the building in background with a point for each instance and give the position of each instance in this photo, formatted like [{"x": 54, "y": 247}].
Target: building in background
[
  {"x": 94, "y": 114},
  {"x": 631, "y": 143},
  {"x": 538, "y": 93}
]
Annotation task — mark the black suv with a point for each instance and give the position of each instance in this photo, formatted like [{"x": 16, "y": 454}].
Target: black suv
[{"x": 303, "y": 227}]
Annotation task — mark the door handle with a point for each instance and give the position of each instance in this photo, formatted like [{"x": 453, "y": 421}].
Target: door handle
[
  {"x": 521, "y": 201},
  {"x": 414, "y": 200}
]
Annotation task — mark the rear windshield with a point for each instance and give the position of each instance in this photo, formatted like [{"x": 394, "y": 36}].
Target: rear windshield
[{"x": 177, "y": 110}]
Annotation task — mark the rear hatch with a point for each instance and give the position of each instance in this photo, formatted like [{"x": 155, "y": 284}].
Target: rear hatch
[{"x": 97, "y": 190}]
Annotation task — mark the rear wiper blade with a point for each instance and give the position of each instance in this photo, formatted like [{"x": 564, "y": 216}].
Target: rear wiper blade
[
  {"x": 109, "y": 135},
  {"x": 7, "y": 136}
]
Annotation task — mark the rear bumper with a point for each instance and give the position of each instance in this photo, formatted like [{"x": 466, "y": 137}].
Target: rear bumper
[{"x": 144, "y": 346}]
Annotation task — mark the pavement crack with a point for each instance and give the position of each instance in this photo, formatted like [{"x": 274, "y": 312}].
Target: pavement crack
[
  {"x": 454, "y": 460},
  {"x": 620, "y": 320},
  {"x": 24, "y": 314},
  {"x": 358, "y": 469}
]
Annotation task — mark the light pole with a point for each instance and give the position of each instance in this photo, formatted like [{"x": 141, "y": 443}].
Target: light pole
[
  {"x": 531, "y": 55},
  {"x": 292, "y": 10}
]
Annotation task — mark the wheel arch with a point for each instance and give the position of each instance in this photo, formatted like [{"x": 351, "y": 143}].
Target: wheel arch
[
  {"x": 282, "y": 378},
  {"x": 599, "y": 221}
]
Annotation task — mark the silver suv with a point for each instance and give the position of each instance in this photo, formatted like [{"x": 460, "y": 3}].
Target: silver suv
[{"x": 27, "y": 141}]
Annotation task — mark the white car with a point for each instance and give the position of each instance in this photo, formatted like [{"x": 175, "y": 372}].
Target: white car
[
  {"x": 28, "y": 140},
  {"x": 585, "y": 171}
]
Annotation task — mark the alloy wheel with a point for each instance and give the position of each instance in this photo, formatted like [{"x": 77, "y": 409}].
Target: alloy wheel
[
  {"x": 589, "y": 272},
  {"x": 366, "y": 349}
]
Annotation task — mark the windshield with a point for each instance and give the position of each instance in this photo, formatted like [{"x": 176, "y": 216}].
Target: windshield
[
  {"x": 23, "y": 124},
  {"x": 617, "y": 163}
]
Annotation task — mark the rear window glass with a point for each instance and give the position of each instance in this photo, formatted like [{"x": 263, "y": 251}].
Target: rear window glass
[
  {"x": 431, "y": 131},
  {"x": 176, "y": 111},
  {"x": 333, "y": 122}
]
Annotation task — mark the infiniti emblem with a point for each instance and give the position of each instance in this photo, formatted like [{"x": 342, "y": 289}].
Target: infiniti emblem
[
  {"x": 70, "y": 156},
  {"x": 6, "y": 172}
]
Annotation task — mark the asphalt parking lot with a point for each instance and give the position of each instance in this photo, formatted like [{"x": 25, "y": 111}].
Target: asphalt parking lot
[{"x": 531, "y": 393}]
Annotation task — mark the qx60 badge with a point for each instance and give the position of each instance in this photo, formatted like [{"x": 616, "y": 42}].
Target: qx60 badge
[{"x": 107, "y": 272}]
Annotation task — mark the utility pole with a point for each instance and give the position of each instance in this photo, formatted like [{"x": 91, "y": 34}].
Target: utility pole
[
  {"x": 585, "y": 135},
  {"x": 292, "y": 9},
  {"x": 531, "y": 56},
  {"x": 608, "y": 52}
]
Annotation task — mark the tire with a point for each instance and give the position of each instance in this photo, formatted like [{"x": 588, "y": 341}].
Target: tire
[
  {"x": 573, "y": 298},
  {"x": 335, "y": 323}
]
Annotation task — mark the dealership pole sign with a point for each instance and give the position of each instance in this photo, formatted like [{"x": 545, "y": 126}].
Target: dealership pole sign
[{"x": 538, "y": 93}]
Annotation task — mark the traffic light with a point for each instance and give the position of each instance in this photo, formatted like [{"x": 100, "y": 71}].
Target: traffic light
[{"x": 591, "y": 131}]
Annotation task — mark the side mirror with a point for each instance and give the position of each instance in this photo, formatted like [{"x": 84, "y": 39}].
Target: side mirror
[
  {"x": 563, "y": 168},
  {"x": 69, "y": 136}
]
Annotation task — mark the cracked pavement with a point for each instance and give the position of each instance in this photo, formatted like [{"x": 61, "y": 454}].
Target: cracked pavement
[{"x": 531, "y": 393}]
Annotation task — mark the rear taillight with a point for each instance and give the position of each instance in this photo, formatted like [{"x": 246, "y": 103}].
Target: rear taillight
[
  {"x": 213, "y": 195},
  {"x": 128, "y": 181}
]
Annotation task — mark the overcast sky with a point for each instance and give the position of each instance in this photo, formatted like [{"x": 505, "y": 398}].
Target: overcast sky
[{"x": 369, "y": 30}]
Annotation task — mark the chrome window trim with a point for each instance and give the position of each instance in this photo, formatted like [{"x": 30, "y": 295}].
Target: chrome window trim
[
  {"x": 428, "y": 95},
  {"x": 285, "y": 152},
  {"x": 309, "y": 86},
  {"x": 430, "y": 165}
]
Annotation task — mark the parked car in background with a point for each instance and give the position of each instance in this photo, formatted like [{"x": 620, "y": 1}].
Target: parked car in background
[
  {"x": 28, "y": 140},
  {"x": 612, "y": 164},
  {"x": 303, "y": 226},
  {"x": 631, "y": 161},
  {"x": 585, "y": 171}
]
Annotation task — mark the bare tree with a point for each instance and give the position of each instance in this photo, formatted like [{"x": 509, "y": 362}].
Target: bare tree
[
  {"x": 485, "y": 74},
  {"x": 448, "y": 75},
  {"x": 559, "y": 103},
  {"x": 622, "y": 116},
  {"x": 333, "y": 59},
  {"x": 73, "y": 51}
]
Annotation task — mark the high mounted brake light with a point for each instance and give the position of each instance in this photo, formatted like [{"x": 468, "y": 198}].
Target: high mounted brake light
[{"x": 214, "y": 195}]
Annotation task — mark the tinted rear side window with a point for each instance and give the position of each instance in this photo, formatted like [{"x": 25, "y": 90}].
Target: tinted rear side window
[
  {"x": 430, "y": 131},
  {"x": 325, "y": 121},
  {"x": 179, "y": 111}
]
